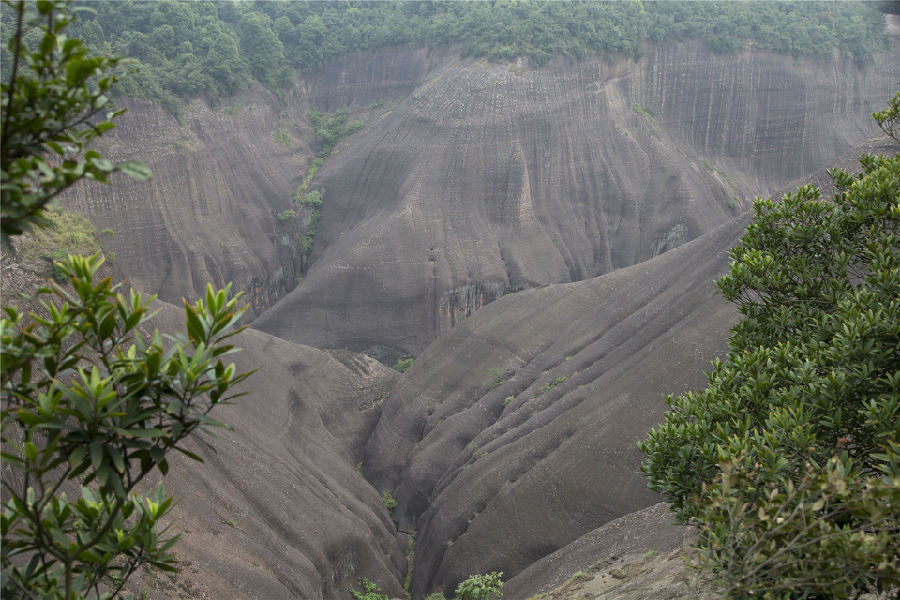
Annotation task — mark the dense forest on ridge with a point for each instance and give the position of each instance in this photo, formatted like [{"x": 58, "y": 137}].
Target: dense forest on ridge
[{"x": 211, "y": 49}]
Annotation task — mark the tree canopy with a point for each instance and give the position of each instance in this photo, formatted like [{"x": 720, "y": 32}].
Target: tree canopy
[
  {"x": 51, "y": 98},
  {"x": 789, "y": 460},
  {"x": 211, "y": 48}
]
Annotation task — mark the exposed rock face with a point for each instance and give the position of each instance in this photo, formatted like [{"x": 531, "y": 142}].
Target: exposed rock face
[
  {"x": 381, "y": 77},
  {"x": 471, "y": 181},
  {"x": 636, "y": 557},
  {"x": 278, "y": 510},
  {"x": 221, "y": 178},
  {"x": 208, "y": 215},
  {"x": 516, "y": 433},
  {"x": 490, "y": 179}
]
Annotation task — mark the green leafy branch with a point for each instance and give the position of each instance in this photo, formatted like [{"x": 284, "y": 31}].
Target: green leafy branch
[
  {"x": 86, "y": 397},
  {"x": 49, "y": 106}
]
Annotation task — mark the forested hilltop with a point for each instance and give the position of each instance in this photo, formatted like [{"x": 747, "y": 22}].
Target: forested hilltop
[{"x": 211, "y": 49}]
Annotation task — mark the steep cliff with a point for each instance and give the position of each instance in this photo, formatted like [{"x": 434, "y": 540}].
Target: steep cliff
[
  {"x": 471, "y": 180},
  {"x": 488, "y": 179},
  {"x": 516, "y": 432},
  {"x": 221, "y": 176}
]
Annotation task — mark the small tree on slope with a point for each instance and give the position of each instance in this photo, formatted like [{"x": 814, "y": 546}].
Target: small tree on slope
[
  {"x": 789, "y": 461},
  {"x": 88, "y": 401}
]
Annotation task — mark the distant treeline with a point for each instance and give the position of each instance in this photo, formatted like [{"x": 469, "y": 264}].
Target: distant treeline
[{"x": 212, "y": 48}]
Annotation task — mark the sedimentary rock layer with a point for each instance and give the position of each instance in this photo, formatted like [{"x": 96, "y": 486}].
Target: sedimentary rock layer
[
  {"x": 278, "y": 509},
  {"x": 516, "y": 432},
  {"x": 488, "y": 179}
]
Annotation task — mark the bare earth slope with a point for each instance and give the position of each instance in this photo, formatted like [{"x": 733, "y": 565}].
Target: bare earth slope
[
  {"x": 491, "y": 178},
  {"x": 516, "y": 432},
  {"x": 221, "y": 178},
  {"x": 471, "y": 180},
  {"x": 278, "y": 510}
]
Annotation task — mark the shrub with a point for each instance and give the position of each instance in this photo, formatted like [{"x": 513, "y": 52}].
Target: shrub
[
  {"x": 313, "y": 199},
  {"x": 281, "y": 136},
  {"x": 889, "y": 118},
  {"x": 404, "y": 363},
  {"x": 789, "y": 460},
  {"x": 644, "y": 111},
  {"x": 480, "y": 587},
  {"x": 387, "y": 498},
  {"x": 286, "y": 215},
  {"x": 552, "y": 384},
  {"x": 369, "y": 591},
  {"x": 496, "y": 374}
]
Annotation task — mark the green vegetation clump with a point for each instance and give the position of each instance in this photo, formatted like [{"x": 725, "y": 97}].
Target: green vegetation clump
[
  {"x": 281, "y": 136},
  {"x": 314, "y": 167},
  {"x": 789, "y": 460},
  {"x": 728, "y": 179},
  {"x": 480, "y": 587},
  {"x": 889, "y": 118},
  {"x": 387, "y": 498},
  {"x": 496, "y": 375},
  {"x": 212, "y": 49},
  {"x": 552, "y": 384},
  {"x": 410, "y": 565},
  {"x": 65, "y": 233},
  {"x": 312, "y": 199},
  {"x": 404, "y": 363},
  {"x": 286, "y": 215},
  {"x": 306, "y": 244},
  {"x": 645, "y": 111},
  {"x": 368, "y": 591},
  {"x": 331, "y": 128}
]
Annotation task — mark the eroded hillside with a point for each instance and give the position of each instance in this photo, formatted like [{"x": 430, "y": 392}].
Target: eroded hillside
[
  {"x": 606, "y": 195},
  {"x": 471, "y": 180},
  {"x": 489, "y": 179}
]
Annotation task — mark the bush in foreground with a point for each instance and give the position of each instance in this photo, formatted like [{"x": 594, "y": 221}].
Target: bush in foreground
[{"x": 789, "y": 461}]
